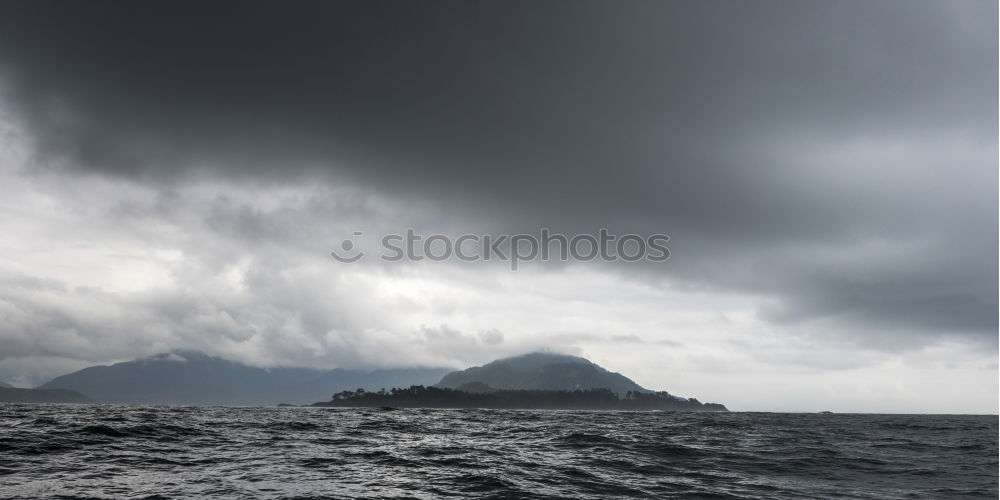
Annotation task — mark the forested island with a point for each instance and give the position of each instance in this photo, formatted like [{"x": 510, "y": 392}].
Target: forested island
[{"x": 419, "y": 396}]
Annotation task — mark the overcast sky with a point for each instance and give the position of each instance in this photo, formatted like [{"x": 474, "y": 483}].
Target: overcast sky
[{"x": 175, "y": 174}]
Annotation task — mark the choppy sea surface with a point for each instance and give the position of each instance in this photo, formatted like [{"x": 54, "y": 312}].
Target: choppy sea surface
[{"x": 173, "y": 452}]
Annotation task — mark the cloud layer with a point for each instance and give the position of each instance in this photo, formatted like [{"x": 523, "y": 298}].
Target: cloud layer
[{"x": 176, "y": 174}]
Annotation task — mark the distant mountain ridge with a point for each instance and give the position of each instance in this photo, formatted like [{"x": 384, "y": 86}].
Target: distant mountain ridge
[
  {"x": 541, "y": 371},
  {"x": 14, "y": 395},
  {"x": 184, "y": 377}
]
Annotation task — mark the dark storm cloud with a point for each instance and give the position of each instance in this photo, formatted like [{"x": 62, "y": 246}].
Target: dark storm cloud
[{"x": 774, "y": 140}]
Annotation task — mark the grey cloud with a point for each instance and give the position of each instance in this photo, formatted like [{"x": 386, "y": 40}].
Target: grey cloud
[
  {"x": 491, "y": 337},
  {"x": 775, "y": 141}
]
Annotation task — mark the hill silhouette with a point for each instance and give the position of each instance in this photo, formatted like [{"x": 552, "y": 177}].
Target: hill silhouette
[
  {"x": 542, "y": 371},
  {"x": 192, "y": 378},
  {"x": 14, "y": 395},
  {"x": 536, "y": 380}
]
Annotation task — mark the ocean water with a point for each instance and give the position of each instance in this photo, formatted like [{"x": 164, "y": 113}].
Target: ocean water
[{"x": 108, "y": 451}]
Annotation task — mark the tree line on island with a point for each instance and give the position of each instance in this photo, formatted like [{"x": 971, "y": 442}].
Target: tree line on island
[{"x": 482, "y": 396}]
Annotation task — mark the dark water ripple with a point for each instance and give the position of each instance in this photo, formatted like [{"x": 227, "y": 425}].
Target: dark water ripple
[{"x": 55, "y": 451}]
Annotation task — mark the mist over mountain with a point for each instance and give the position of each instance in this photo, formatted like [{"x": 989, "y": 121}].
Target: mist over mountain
[
  {"x": 193, "y": 378},
  {"x": 541, "y": 371},
  {"x": 5, "y": 385}
]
